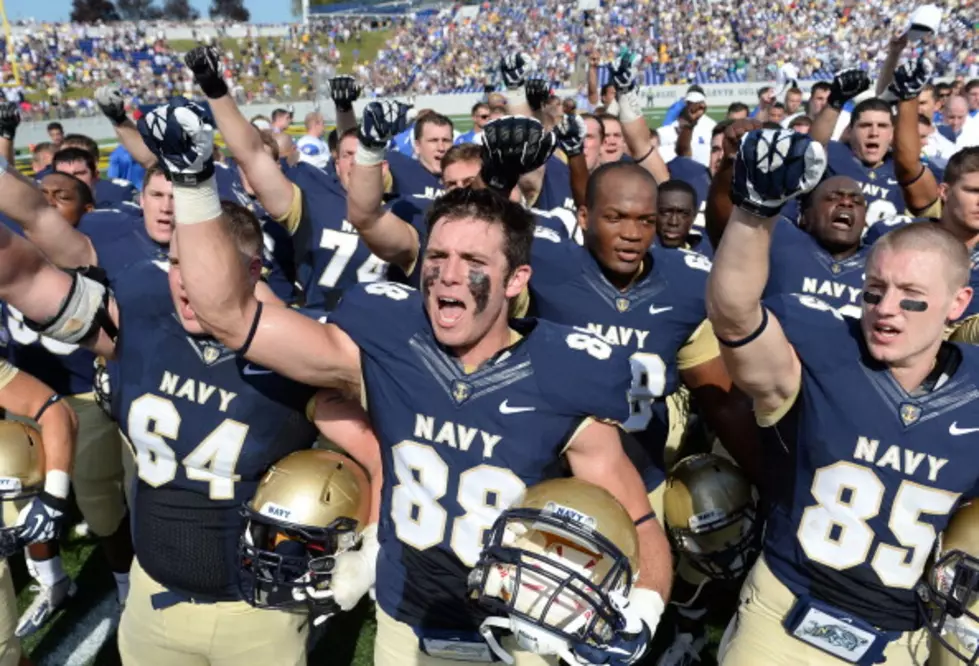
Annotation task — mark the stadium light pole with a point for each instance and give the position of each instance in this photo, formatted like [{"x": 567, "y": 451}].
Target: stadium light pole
[{"x": 305, "y": 11}]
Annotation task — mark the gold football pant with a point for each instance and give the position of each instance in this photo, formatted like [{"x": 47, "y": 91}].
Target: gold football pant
[
  {"x": 97, "y": 474},
  {"x": 397, "y": 645},
  {"x": 756, "y": 636},
  {"x": 9, "y": 644},
  {"x": 230, "y": 633}
]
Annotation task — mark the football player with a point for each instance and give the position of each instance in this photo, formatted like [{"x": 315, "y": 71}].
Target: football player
[
  {"x": 310, "y": 205},
  {"x": 469, "y": 411},
  {"x": 108, "y": 193},
  {"x": 36, "y": 481},
  {"x": 852, "y": 525},
  {"x": 97, "y": 473},
  {"x": 676, "y": 209},
  {"x": 631, "y": 126}
]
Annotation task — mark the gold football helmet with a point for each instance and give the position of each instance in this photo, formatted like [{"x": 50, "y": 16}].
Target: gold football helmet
[
  {"x": 711, "y": 516},
  {"x": 21, "y": 477},
  {"x": 949, "y": 594},
  {"x": 309, "y": 506},
  {"x": 549, "y": 564}
]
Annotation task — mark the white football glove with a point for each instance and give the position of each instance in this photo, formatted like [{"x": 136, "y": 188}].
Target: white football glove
[
  {"x": 355, "y": 571},
  {"x": 774, "y": 166}
]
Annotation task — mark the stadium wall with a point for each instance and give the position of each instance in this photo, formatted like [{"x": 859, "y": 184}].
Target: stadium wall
[{"x": 719, "y": 94}]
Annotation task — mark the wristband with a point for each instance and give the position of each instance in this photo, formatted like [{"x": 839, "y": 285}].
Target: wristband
[
  {"x": 193, "y": 204},
  {"x": 57, "y": 483},
  {"x": 751, "y": 337},
  {"x": 47, "y": 403},
  {"x": 366, "y": 156}
]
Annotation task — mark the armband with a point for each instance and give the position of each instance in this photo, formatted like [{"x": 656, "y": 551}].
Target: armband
[
  {"x": 47, "y": 403},
  {"x": 251, "y": 331},
  {"x": 83, "y": 312},
  {"x": 914, "y": 180},
  {"x": 734, "y": 344},
  {"x": 645, "y": 519}
]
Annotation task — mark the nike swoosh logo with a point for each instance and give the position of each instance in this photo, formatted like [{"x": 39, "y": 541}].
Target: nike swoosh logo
[
  {"x": 891, "y": 181},
  {"x": 250, "y": 369},
  {"x": 954, "y": 429},
  {"x": 655, "y": 310},
  {"x": 162, "y": 265},
  {"x": 507, "y": 409}
]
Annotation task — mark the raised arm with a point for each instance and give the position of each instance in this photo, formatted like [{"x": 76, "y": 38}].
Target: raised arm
[
  {"x": 570, "y": 133},
  {"x": 113, "y": 106},
  {"x": 918, "y": 183},
  {"x": 9, "y": 121},
  {"x": 719, "y": 204},
  {"x": 756, "y": 352},
  {"x": 386, "y": 235},
  {"x": 344, "y": 91},
  {"x": 634, "y": 127},
  {"x": 218, "y": 274},
  {"x": 22, "y": 202},
  {"x": 846, "y": 85},
  {"x": 274, "y": 191}
]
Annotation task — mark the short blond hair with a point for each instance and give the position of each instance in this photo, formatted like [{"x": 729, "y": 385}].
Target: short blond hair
[{"x": 929, "y": 237}]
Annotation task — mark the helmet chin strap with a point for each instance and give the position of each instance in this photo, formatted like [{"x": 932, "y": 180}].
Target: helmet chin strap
[{"x": 529, "y": 637}]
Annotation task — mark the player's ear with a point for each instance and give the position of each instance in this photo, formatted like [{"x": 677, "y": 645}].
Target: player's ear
[
  {"x": 255, "y": 269},
  {"x": 517, "y": 281},
  {"x": 583, "y": 218},
  {"x": 960, "y": 302},
  {"x": 943, "y": 192}
]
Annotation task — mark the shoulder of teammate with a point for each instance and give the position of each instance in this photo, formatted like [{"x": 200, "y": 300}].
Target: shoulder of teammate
[
  {"x": 881, "y": 227},
  {"x": 820, "y": 334},
  {"x": 105, "y": 226},
  {"x": 580, "y": 374},
  {"x": 553, "y": 255},
  {"x": 685, "y": 269},
  {"x": 838, "y": 153},
  {"x": 559, "y": 220},
  {"x": 380, "y": 317}
]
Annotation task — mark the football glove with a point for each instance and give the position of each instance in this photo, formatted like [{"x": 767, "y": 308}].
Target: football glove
[
  {"x": 9, "y": 120},
  {"x": 181, "y": 135},
  {"x": 354, "y": 571},
  {"x": 513, "y": 146},
  {"x": 381, "y": 121},
  {"x": 42, "y": 519},
  {"x": 514, "y": 69},
  {"x": 203, "y": 61},
  {"x": 344, "y": 91},
  {"x": 623, "y": 73},
  {"x": 538, "y": 90},
  {"x": 628, "y": 645},
  {"x": 570, "y": 133},
  {"x": 910, "y": 78},
  {"x": 111, "y": 103},
  {"x": 847, "y": 84},
  {"x": 772, "y": 167}
]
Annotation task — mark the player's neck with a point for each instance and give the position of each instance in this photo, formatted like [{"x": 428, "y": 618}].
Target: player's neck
[
  {"x": 839, "y": 252},
  {"x": 913, "y": 372},
  {"x": 498, "y": 338},
  {"x": 624, "y": 282},
  {"x": 968, "y": 236}
]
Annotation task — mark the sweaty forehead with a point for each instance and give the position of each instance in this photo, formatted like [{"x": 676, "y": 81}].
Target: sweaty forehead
[
  {"x": 676, "y": 199},
  {"x": 837, "y": 184},
  {"x": 466, "y": 235},
  {"x": 905, "y": 267}
]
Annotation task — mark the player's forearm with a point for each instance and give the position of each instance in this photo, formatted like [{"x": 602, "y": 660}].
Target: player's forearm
[
  {"x": 894, "y": 52},
  {"x": 729, "y": 414},
  {"x": 129, "y": 137},
  {"x": 824, "y": 124},
  {"x": 684, "y": 138},
  {"x": 386, "y": 235},
  {"x": 346, "y": 120},
  {"x": 211, "y": 264},
  {"x": 918, "y": 183},
  {"x": 719, "y": 205},
  {"x": 7, "y": 149},
  {"x": 365, "y": 195},
  {"x": 578, "y": 167},
  {"x": 593, "y": 85},
  {"x": 59, "y": 428},
  {"x": 28, "y": 281},
  {"x": 739, "y": 274},
  {"x": 655, "y": 559},
  {"x": 240, "y": 136}
]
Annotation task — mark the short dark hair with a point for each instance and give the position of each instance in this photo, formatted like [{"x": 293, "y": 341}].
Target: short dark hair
[
  {"x": 607, "y": 86},
  {"x": 463, "y": 152},
  {"x": 674, "y": 185},
  {"x": 56, "y": 126},
  {"x": 721, "y": 126},
  {"x": 72, "y": 154},
  {"x": 771, "y": 124},
  {"x": 737, "y": 107},
  {"x": 971, "y": 85},
  {"x": 155, "y": 170},
  {"x": 84, "y": 191},
  {"x": 763, "y": 90},
  {"x": 820, "y": 85},
  {"x": 245, "y": 228},
  {"x": 962, "y": 163},
  {"x": 477, "y": 106},
  {"x": 278, "y": 113},
  {"x": 487, "y": 205},
  {"x": 793, "y": 91},
  {"x": 778, "y": 105},
  {"x": 612, "y": 168},
  {"x": 333, "y": 140},
  {"x": 84, "y": 142},
  {"x": 268, "y": 140},
  {"x": 347, "y": 133},
  {"x": 432, "y": 118},
  {"x": 942, "y": 86},
  {"x": 43, "y": 147},
  {"x": 924, "y": 120},
  {"x": 800, "y": 120},
  {"x": 695, "y": 88},
  {"x": 868, "y": 105},
  {"x": 604, "y": 118}
]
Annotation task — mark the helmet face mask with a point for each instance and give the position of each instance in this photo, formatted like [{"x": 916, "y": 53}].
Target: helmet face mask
[
  {"x": 308, "y": 508},
  {"x": 551, "y": 564},
  {"x": 724, "y": 549},
  {"x": 949, "y": 602}
]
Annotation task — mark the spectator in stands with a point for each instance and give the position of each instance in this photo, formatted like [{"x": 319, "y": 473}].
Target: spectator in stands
[
  {"x": 934, "y": 146},
  {"x": 776, "y": 113},
  {"x": 42, "y": 155},
  {"x": 737, "y": 111},
  {"x": 971, "y": 93},
  {"x": 613, "y": 145},
  {"x": 122, "y": 165},
  {"x": 801, "y": 124},
  {"x": 312, "y": 149},
  {"x": 281, "y": 119},
  {"x": 956, "y": 113},
  {"x": 480, "y": 115},
  {"x": 56, "y": 132},
  {"x": 818, "y": 97},
  {"x": 942, "y": 92},
  {"x": 793, "y": 101}
]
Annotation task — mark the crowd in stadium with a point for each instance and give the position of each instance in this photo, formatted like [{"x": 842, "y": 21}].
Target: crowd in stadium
[
  {"x": 451, "y": 50},
  {"x": 566, "y": 388}
]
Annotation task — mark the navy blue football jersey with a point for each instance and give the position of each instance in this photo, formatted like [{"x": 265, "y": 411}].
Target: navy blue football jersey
[
  {"x": 410, "y": 177},
  {"x": 879, "y": 184},
  {"x": 652, "y": 320},
  {"x": 330, "y": 253},
  {"x": 278, "y": 255},
  {"x": 206, "y": 425},
  {"x": 872, "y": 472},
  {"x": 799, "y": 264},
  {"x": 556, "y": 188},
  {"x": 111, "y": 193},
  {"x": 460, "y": 447}
]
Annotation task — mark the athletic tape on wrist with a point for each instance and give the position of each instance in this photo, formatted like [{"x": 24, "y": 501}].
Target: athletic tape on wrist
[
  {"x": 57, "y": 483},
  {"x": 630, "y": 106},
  {"x": 193, "y": 204},
  {"x": 368, "y": 156},
  {"x": 76, "y": 319}
]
